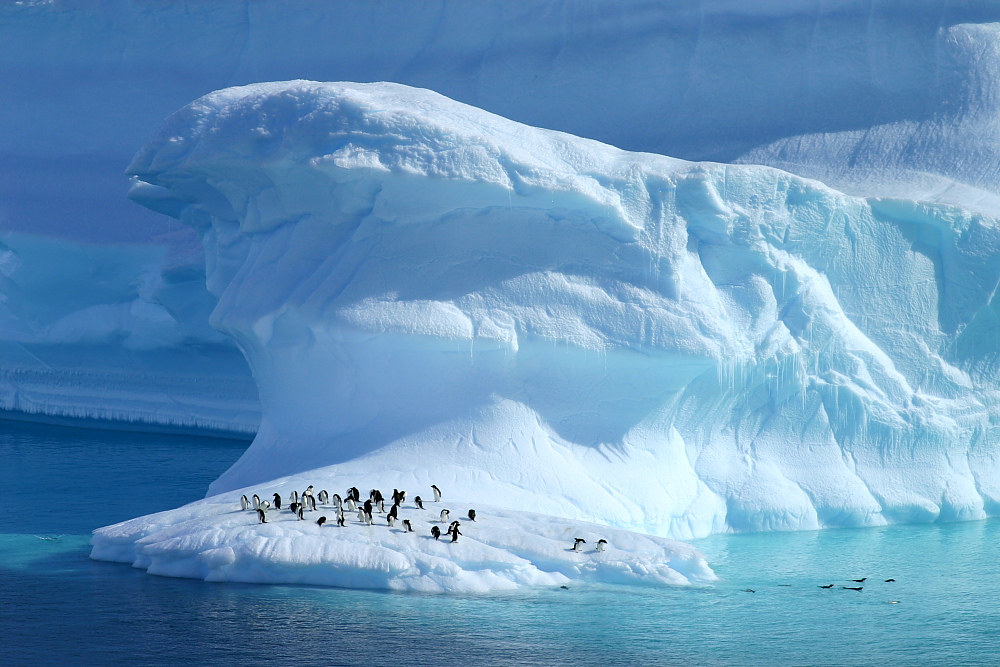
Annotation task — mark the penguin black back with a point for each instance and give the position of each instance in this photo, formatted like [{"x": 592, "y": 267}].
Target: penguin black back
[
  {"x": 261, "y": 516},
  {"x": 472, "y": 515},
  {"x": 277, "y": 501},
  {"x": 419, "y": 502},
  {"x": 320, "y": 521},
  {"x": 436, "y": 532}
]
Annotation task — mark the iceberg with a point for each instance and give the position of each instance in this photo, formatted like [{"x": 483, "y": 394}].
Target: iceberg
[{"x": 428, "y": 293}]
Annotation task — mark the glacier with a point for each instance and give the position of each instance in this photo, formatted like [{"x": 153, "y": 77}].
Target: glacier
[
  {"x": 430, "y": 293},
  {"x": 892, "y": 99}
]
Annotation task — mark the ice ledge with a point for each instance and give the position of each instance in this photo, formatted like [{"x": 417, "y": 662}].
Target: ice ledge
[{"x": 215, "y": 540}]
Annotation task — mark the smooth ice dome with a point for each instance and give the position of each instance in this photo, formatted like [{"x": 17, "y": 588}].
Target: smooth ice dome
[{"x": 547, "y": 323}]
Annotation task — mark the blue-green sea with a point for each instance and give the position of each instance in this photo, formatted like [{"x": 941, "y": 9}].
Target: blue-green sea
[{"x": 57, "y": 607}]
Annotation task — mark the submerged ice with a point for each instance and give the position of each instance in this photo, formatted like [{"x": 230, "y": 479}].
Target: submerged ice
[{"x": 545, "y": 322}]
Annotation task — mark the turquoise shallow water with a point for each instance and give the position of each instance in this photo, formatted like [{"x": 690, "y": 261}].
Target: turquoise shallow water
[{"x": 57, "y": 607}]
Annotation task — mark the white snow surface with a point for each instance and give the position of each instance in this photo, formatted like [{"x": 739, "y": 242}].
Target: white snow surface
[
  {"x": 534, "y": 320},
  {"x": 215, "y": 540}
]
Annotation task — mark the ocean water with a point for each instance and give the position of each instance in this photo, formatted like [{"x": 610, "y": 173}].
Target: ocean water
[{"x": 57, "y": 607}]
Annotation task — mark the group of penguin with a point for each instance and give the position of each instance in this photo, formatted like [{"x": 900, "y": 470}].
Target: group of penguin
[
  {"x": 352, "y": 502},
  {"x": 375, "y": 503}
]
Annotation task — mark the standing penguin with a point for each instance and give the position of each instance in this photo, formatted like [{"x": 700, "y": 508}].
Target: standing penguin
[
  {"x": 453, "y": 527},
  {"x": 256, "y": 501},
  {"x": 601, "y": 544},
  {"x": 261, "y": 516},
  {"x": 337, "y": 502},
  {"x": 299, "y": 513},
  {"x": 294, "y": 508},
  {"x": 362, "y": 516},
  {"x": 436, "y": 532},
  {"x": 419, "y": 502},
  {"x": 407, "y": 526},
  {"x": 437, "y": 493},
  {"x": 454, "y": 534},
  {"x": 355, "y": 494},
  {"x": 294, "y": 497},
  {"x": 391, "y": 520},
  {"x": 472, "y": 515},
  {"x": 351, "y": 506},
  {"x": 277, "y": 501},
  {"x": 244, "y": 502},
  {"x": 324, "y": 497},
  {"x": 368, "y": 507},
  {"x": 577, "y": 542},
  {"x": 320, "y": 521},
  {"x": 266, "y": 505},
  {"x": 381, "y": 505},
  {"x": 340, "y": 517},
  {"x": 444, "y": 516}
]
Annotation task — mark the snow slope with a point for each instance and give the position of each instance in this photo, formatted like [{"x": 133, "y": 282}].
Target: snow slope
[{"x": 429, "y": 291}]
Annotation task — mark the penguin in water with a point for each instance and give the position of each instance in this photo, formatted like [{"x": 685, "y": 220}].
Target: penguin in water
[
  {"x": 320, "y": 521},
  {"x": 407, "y": 526},
  {"x": 472, "y": 515},
  {"x": 337, "y": 502},
  {"x": 244, "y": 502},
  {"x": 577, "y": 542},
  {"x": 261, "y": 516},
  {"x": 419, "y": 502},
  {"x": 601, "y": 544},
  {"x": 256, "y": 501},
  {"x": 859, "y": 581},
  {"x": 437, "y": 493},
  {"x": 340, "y": 517},
  {"x": 277, "y": 501},
  {"x": 391, "y": 520},
  {"x": 436, "y": 532},
  {"x": 444, "y": 516}
]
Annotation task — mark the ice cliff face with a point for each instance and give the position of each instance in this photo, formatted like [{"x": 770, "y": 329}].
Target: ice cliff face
[{"x": 423, "y": 287}]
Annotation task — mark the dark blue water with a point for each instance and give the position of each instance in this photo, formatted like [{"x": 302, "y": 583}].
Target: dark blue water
[{"x": 57, "y": 607}]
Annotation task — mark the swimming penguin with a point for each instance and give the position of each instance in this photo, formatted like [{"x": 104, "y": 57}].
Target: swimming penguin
[
  {"x": 337, "y": 502},
  {"x": 852, "y": 588},
  {"x": 889, "y": 581},
  {"x": 407, "y": 526},
  {"x": 320, "y": 521},
  {"x": 256, "y": 501},
  {"x": 419, "y": 502},
  {"x": 859, "y": 581},
  {"x": 437, "y": 493},
  {"x": 472, "y": 515},
  {"x": 277, "y": 501},
  {"x": 324, "y": 497},
  {"x": 577, "y": 542},
  {"x": 827, "y": 586},
  {"x": 601, "y": 544},
  {"x": 391, "y": 520},
  {"x": 261, "y": 516},
  {"x": 444, "y": 516},
  {"x": 454, "y": 526},
  {"x": 436, "y": 532},
  {"x": 299, "y": 513},
  {"x": 454, "y": 534},
  {"x": 244, "y": 502},
  {"x": 340, "y": 517}
]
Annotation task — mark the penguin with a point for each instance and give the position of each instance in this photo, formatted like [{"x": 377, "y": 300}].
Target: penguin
[
  {"x": 391, "y": 520},
  {"x": 436, "y": 532},
  {"x": 340, "y": 517},
  {"x": 244, "y": 502},
  {"x": 402, "y": 497},
  {"x": 266, "y": 505},
  {"x": 337, "y": 502},
  {"x": 294, "y": 508},
  {"x": 362, "y": 516},
  {"x": 454, "y": 534},
  {"x": 749, "y": 590},
  {"x": 320, "y": 521},
  {"x": 299, "y": 513},
  {"x": 407, "y": 526},
  {"x": 454, "y": 526},
  {"x": 381, "y": 505},
  {"x": 601, "y": 544},
  {"x": 368, "y": 507},
  {"x": 394, "y": 511},
  {"x": 889, "y": 581},
  {"x": 472, "y": 515},
  {"x": 395, "y": 496},
  {"x": 261, "y": 516},
  {"x": 277, "y": 501},
  {"x": 419, "y": 502},
  {"x": 355, "y": 494},
  {"x": 577, "y": 542},
  {"x": 852, "y": 588},
  {"x": 379, "y": 498},
  {"x": 256, "y": 501},
  {"x": 827, "y": 586},
  {"x": 444, "y": 516},
  {"x": 859, "y": 581},
  {"x": 324, "y": 497},
  {"x": 351, "y": 506},
  {"x": 308, "y": 499},
  {"x": 294, "y": 497},
  {"x": 368, "y": 519},
  {"x": 437, "y": 493}
]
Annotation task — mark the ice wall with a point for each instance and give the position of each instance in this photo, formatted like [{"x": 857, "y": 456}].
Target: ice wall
[
  {"x": 424, "y": 287},
  {"x": 893, "y": 98}
]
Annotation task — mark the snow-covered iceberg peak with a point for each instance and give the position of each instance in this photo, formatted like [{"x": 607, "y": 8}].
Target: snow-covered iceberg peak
[{"x": 543, "y": 322}]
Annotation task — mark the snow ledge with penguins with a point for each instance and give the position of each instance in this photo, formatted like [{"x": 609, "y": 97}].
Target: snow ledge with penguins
[{"x": 225, "y": 538}]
